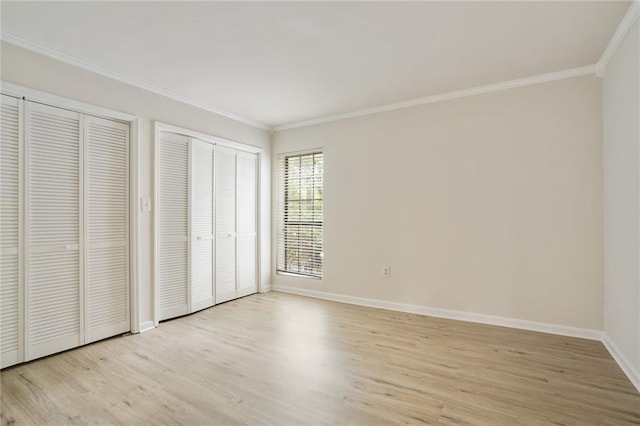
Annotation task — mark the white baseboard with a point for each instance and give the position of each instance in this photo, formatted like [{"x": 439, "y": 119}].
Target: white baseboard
[
  {"x": 448, "y": 314},
  {"x": 625, "y": 365},
  {"x": 146, "y": 326},
  {"x": 266, "y": 288}
]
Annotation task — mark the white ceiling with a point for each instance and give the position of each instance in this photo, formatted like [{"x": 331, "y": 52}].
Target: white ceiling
[{"x": 284, "y": 62}]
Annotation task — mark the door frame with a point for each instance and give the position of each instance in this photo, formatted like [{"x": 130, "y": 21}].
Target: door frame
[
  {"x": 33, "y": 95},
  {"x": 214, "y": 140}
]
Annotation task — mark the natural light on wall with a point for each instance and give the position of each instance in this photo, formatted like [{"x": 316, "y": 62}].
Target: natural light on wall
[{"x": 300, "y": 207}]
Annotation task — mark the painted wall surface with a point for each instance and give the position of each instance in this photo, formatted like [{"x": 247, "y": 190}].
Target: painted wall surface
[
  {"x": 490, "y": 204},
  {"x": 622, "y": 198},
  {"x": 26, "y": 68}
]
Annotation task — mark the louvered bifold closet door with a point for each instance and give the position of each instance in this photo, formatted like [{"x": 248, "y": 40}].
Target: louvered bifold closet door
[
  {"x": 201, "y": 225},
  {"x": 53, "y": 269},
  {"x": 247, "y": 223},
  {"x": 173, "y": 226},
  {"x": 225, "y": 251},
  {"x": 107, "y": 237},
  {"x": 10, "y": 212}
]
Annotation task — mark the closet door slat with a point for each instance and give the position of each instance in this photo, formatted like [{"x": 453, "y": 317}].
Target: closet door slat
[
  {"x": 201, "y": 225},
  {"x": 247, "y": 223},
  {"x": 107, "y": 244},
  {"x": 10, "y": 212},
  {"x": 225, "y": 251},
  {"x": 173, "y": 225},
  {"x": 53, "y": 273}
]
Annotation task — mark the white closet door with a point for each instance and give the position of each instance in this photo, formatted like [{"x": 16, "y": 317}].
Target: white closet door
[
  {"x": 107, "y": 236},
  {"x": 225, "y": 169},
  {"x": 201, "y": 225},
  {"x": 10, "y": 212},
  {"x": 247, "y": 223},
  {"x": 53, "y": 269},
  {"x": 173, "y": 217}
]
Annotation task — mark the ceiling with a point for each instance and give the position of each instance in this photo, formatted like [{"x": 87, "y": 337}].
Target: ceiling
[{"x": 277, "y": 63}]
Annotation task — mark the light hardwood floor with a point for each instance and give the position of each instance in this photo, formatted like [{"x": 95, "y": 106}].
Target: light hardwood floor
[{"x": 288, "y": 360}]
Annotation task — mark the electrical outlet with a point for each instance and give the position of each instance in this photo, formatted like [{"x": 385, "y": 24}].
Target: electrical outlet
[{"x": 386, "y": 271}]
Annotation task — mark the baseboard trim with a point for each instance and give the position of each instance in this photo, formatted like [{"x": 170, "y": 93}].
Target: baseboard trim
[
  {"x": 632, "y": 374},
  {"x": 146, "y": 326},
  {"x": 625, "y": 365},
  {"x": 266, "y": 289},
  {"x": 448, "y": 314}
]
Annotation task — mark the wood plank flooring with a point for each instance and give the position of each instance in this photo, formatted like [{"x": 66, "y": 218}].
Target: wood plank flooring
[{"x": 288, "y": 360}]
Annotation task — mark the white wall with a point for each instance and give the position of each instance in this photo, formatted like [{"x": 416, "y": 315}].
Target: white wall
[
  {"x": 490, "y": 204},
  {"x": 39, "y": 72},
  {"x": 622, "y": 202}
]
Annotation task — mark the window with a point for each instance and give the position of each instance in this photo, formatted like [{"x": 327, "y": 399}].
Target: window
[{"x": 300, "y": 206}]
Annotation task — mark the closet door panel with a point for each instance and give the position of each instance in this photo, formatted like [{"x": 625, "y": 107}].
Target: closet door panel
[
  {"x": 173, "y": 226},
  {"x": 225, "y": 269},
  {"x": 107, "y": 244},
  {"x": 201, "y": 225},
  {"x": 53, "y": 275},
  {"x": 54, "y": 302},
  {"x": 10, "y": 310},
  {"x": 247, "y": 224},
  {"x": 10, "y": 212},
  {"x": 225, "y": 251},
  {"x": 201, "y": 275},
  {"x": 172, "y": 278}
]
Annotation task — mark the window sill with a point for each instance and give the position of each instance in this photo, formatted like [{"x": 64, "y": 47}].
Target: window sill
[{"x": 294, "y": 275}]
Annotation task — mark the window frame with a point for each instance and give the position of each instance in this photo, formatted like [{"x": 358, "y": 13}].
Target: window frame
[{"x": 282, "y": 214}]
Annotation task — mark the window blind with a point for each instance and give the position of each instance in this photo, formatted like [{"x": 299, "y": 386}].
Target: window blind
[{"x": 300, "y": 214}]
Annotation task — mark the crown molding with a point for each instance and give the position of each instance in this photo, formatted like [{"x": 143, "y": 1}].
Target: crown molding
[
  {"x": 124, "y": 78},
  {"x": 623, "y": 28},
  {"x": 479, "y": 90},
  {"x": 495, "y": 87}
]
